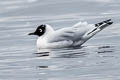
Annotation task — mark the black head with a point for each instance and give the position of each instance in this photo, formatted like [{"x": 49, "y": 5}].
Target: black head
[{"x": 39, "y": 31}]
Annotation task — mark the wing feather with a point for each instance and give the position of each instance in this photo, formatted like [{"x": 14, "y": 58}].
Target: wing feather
[{"x": 73, "y": 33}]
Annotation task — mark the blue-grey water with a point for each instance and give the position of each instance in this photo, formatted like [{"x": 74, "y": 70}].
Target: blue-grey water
[{"x": 97, "y": 59}]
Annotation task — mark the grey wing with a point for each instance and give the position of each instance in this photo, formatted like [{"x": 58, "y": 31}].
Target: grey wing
[
  {"x": 74, "y": 33},
  {"x": 61, "y": 35}
]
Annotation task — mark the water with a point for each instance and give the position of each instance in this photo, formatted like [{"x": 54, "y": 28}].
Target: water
[{"x": 97, "y": 59}]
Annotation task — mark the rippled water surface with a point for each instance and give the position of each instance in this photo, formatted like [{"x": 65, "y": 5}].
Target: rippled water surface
[{"x": 97, "y": 59}]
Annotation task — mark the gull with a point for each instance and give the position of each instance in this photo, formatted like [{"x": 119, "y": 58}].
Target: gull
[{"x": 78, "y": 34}]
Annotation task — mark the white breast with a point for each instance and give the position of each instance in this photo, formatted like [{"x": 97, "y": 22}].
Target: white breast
[{"x": 41, "y": 43}]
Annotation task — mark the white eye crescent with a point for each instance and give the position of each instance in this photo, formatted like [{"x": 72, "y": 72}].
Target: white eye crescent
[{"x": 40, "y": 30}]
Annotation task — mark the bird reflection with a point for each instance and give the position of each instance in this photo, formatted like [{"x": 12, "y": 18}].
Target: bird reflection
[
  {"x": 42, "y": 54},
  {"x": 105, "y": 49},
  {"x": 72, "y": 55},
  {"x": 42, "y": 67},
  {"x": 83, "y": 52},
  {"x": 74, "y": 52}
]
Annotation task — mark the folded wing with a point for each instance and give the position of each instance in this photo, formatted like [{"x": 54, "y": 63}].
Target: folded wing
[{"x": 74, "y": 33}]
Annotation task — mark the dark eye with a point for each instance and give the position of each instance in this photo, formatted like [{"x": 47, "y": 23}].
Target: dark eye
[{"x": 40, "y": 30}]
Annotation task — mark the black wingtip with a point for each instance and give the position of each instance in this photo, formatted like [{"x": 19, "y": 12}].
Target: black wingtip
[
  {"x": 109, "y": 22},
  {"x": 106, "y": 21}
]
